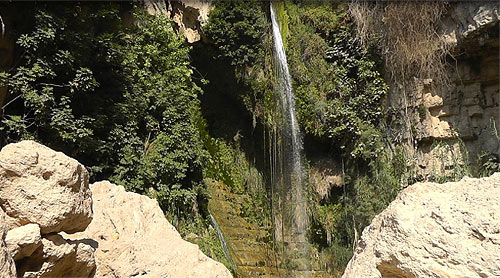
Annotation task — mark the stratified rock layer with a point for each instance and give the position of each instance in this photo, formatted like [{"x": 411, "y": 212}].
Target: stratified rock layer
[
  {"x": 39, "y": 185},
  {"x": 434, "y": 230},
  {"x": 135, "y": 240}
]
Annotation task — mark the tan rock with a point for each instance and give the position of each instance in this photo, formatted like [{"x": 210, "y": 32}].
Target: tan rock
[
  {"x": 434, "y": 230},
  {"x": 135, "y": 240},
  {"x": 190, "y": 17},
  {"x": 58, "y": 257},
  {"x": 44, "y": 187},
  {"x": 7, "y": 266},
  {"x": 23, "y": 241}
]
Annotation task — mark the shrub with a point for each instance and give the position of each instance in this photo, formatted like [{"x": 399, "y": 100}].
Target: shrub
[{"x": 407, "y": 33}]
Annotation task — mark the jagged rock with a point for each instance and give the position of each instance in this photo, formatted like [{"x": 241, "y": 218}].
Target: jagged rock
[
  {"x": 190, "y": 16},
  {"x": 140, "y": 242},
  {"x": 45, "y": 187},
  {"x": 466, "y": 20},
  {"x": 7, "y": 266},
  {"x": 434, "y": 230},
  {"x": 23, "y": 241},
  {"x": 58, "y": 257}
]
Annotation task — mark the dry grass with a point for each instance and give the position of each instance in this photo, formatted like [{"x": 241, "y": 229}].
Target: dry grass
[{"x": 407, "y": 34}]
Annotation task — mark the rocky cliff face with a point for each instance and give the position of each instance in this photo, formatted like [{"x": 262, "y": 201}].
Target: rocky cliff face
[
  {"x": 451, "y": 125},
  {"x": 434, "y": 230},
  {"x": 188, "y": 15},
  {"x": 50, "y": 227}
]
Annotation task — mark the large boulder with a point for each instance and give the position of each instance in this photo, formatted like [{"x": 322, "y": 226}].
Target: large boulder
[
  {"x": 434, "y": 230},
  {"x": 42, "y": 186},
  {"x": 135, "y": 240}
]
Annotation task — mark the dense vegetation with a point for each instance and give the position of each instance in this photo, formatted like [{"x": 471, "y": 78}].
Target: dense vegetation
[{"x": 127, "y": 113}]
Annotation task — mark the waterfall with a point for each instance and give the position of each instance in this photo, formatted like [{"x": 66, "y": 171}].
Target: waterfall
[
  {"x": 222, "y": 241},
  {"x": 286, "y": 92},
  {"x": 290, "y": 208}
]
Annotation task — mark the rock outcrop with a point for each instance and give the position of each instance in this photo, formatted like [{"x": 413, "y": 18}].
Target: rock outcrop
[
  {"x": 23, "y": 241},
  {"x": 135, "y": 240},
  {"x": 45, "y": 198},
  {"x": 44, "y": 193},
  {"x": 59, "y": 257},
  {"x": 468, "y": 21},
  {"x": 434, "y": 230},
  {"x": 7, "y": 266},
  {"x": 188, "y": 15},
  {"x": 41, "y": 186},
  {"x": 451, "y": 125}
]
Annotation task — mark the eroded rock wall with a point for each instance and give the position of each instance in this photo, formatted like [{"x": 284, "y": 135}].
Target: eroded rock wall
[
  {"x": 450, "y": 125},
  {"x": 188, "y": 15}
]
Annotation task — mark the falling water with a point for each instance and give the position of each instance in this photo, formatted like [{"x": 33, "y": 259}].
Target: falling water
[
  {"x": 288, "y": 103},
  {"x": 291, "y": 219},
  {"x": 222, "y": 241}
]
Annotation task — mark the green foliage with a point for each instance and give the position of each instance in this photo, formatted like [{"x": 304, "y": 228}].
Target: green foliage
[
  {"x": 237, "y": 28},
  {"x": 488, "y": 164},
  {"x": 227, "y": 163},
  {"x": 160, "y": 102},
  {"x": 367, "y": 191},
  {"x": 240, "y": 33},
  {"x": 337, "y": 86},
  {"x": 196, "y": 231},
  {"x": 120, "y": 100}
]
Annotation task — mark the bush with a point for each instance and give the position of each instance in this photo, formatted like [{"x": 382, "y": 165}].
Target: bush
[
  {"x": 338, "y": 88},
  {"x": 407, "y": 33},
  {"x": 237, "y": 28}
]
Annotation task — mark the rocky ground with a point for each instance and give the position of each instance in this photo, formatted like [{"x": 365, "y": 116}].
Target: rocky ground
[{"x": 52, "y": 224}]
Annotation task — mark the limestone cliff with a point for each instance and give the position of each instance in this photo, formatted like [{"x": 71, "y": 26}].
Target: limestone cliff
[
  {"x": 188, "y": 15},
  {"x": 450, "y": 125}
]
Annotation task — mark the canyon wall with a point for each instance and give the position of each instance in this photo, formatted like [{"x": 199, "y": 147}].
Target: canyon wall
[{"x": 450, "y": 125}]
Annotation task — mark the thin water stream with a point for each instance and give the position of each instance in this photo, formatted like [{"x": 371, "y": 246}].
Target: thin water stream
[
  {"x": 290, "y": 209},
  {"x": 222, "y": 241}
]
